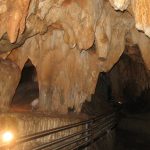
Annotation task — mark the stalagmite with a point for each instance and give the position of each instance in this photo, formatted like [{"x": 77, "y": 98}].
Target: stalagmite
[{"x": 34, "y": 104}]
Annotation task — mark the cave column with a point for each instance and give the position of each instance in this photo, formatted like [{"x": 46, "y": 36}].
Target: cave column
[
  {"x": 45, "y": 89},
  {"x": 45, "y": 98}
]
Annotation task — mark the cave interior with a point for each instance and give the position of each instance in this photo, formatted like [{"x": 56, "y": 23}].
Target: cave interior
[{"x": 63, "y": 61}]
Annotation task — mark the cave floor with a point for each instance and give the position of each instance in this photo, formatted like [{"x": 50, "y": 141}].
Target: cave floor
[
  {"x": 133, "y": 132},
  {"x": 132, "y": 141}
]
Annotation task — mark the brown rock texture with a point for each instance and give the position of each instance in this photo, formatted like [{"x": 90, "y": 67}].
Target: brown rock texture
[
  {"x": 69, "y": 42},
  {"x": 143, "y": 42},
  {"x": 66, "y": 76},
  {"x": 141, "y": 9},
  {"x": 10, "y": 74}
]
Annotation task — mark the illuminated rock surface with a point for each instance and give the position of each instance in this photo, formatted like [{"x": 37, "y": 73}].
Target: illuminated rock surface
[
  {"x": 25, "y": 124},
  {"x": 69, "y": 42}
]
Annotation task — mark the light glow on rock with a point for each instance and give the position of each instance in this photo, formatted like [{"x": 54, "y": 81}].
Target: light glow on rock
[{"x": 7, "y": 137}]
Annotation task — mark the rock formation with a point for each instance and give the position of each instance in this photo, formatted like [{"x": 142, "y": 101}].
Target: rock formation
[
  {"x": 10, "y": 75},
  {"x": 69, "y": 42},
  {"x": 129, "y": 77}
]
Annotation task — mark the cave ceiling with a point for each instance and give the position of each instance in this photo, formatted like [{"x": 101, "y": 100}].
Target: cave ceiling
[
  {"x": 83, "y": 22},
  {"x": 72, "y": 40}
]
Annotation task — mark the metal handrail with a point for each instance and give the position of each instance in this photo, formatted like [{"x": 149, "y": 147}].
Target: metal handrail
[
  {"x": 58, "y": 129},
  {"x": 60, "y": 140},
  {"x": 89, "y": 141},
  {"x": 70, "y": 136},
  {"x": 48, "y": 132},
  {"x": 95, "y": 123},
  {"x": 76, "y": 140}
]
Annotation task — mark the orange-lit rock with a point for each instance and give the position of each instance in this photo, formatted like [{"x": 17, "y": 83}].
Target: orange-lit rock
[
  {"x": 12, "y": 17},
  {"x": 66, "y": 76},
  {"x": 9, "y": 75},
  {"x": 141, "y": 9},
  {"x": 70, "y": 42}
]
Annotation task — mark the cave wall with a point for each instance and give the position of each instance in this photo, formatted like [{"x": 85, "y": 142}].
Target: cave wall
[
  {"x": 129, "y": 77},
  {"x": 10, "y": 74},
  {"x": 69, "y": 42},
  {"x": 62, "y": 73}
]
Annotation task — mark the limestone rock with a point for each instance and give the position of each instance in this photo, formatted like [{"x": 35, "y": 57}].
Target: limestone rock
[
  {"x": 120, "y": 4},
  {"x": 13, "y": 14},
  {"x": 69, "y": 42},
  {"x": 66, "y": 77},
  {"x": 141, "y": 9},
  {"x": 10, "y": 75}
]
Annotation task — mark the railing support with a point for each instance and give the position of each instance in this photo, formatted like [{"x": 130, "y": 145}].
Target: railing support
[{"x": 93, "y": 128}]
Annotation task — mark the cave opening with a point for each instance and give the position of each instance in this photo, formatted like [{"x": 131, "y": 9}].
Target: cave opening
[{"x": 27, "y": 89}]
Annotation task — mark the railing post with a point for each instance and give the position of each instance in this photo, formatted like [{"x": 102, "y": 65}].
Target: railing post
[
  {"x": 86, "y": 128},
  {"x": 92, "y": 131},
  {"x": 87, "y": 136}
]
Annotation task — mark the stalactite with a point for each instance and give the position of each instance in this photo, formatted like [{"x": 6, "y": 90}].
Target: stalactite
[{"x": 120, "y": 4}]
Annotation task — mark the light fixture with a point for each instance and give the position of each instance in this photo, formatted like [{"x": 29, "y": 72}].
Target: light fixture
[{"x": 7, "y": 137}]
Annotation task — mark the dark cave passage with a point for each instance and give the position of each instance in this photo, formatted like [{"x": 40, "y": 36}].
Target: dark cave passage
[
  {"x": 125, "y": 90},
  {"x": 27, "y": 89},
  {"x": 101, "y": 99},
  {"x": 130, "y": 82}
]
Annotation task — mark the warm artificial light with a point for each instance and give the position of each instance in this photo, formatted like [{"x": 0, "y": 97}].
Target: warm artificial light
[{"x": 7, "y": 137}]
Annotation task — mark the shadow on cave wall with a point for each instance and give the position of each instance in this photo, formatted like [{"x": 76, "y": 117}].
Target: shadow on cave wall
[
  {"x": 27, "y": 89},
  {"x": 100, "y": 101},
  {"x": 139, "y": 104},
  {"x": 130, "y": 80}
]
